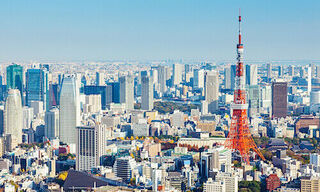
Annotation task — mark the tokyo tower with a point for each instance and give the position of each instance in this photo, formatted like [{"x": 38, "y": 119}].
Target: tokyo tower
[{"x": 239, "y": 138}]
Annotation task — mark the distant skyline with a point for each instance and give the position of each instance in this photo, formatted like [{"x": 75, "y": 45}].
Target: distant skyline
[{"x": 61, "y": 30}]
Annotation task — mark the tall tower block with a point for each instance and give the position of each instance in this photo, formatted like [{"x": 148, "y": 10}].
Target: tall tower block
[{"x": 239, "y": 138}]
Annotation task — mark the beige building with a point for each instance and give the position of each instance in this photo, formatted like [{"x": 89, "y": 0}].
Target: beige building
[
  {"x": 310, "y": 184},
  {"x": 13, "y": 120},
  {"x": 214, "y": 186}
]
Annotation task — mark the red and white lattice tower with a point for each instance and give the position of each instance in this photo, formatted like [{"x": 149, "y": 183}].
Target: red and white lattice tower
[{"x": 239, "y": 138}]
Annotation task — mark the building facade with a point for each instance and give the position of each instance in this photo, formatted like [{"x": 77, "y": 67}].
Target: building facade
[
  {"x": 90, "y": 146},
  {"x": 146, "y": 93},
  {"x": 69, "y": 110},
  {"x": 279, "y": 99},
  {"x": 13, "y": 117}
]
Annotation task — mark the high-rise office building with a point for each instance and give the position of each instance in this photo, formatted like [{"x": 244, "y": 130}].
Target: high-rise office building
[
  {"x": 251, "y": 74},
  {"x": 187, "y": 69},
  {"x": 28, "y": 116},
  {"x": 146, "y": 93},
  {"x": 99, "y": 79},
  {"x": 123, "y": 167},
  {"x": 13, "y": 118},
  {"x": 154, "y": 75},
  {"x": 54, "y": 90},
  {"x": 115, "y": 92},
  {"x": 198, "y": 78},
  {"x": 279, "y": 99},
  {"x": 92, "y": 104},
  {"x": 162, "y": 78},
  {"x": 291, "y": 70},
  {"x": 90, "y": 146},
  {"x": 266, "y": 100},
  {"x": 253, "y": 100},
  {"x": 51, "y": 130},
  {"x": 227, "y": 78},
  {"x": 108, "y": 94},
  {"x": 37, "y": 86},
  {"x": 233, "y": 69},
  {"x": 302, "y": 71},
  {"x": 3, "y": 89},
  {"x": 97, "y": 90},
  {"x": 309, "y": 78},
  {"x": 15, "y": 78},
  {"x": 69, "y": 115},
  {"x": 177, "y": 73},
  {"x": 1, "y": 120},
  {"x": 212, "y": 90},
  {"x": 269, "y": 71},
  {"x": 126, "y": 91},
  {"x": 280, "y": 71},
  {"x": 315, "y": 100}
]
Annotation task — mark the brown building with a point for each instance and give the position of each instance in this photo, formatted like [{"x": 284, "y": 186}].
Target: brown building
[
  {"x": 207, "y": 126},
  {"x": 309, "y": 184},
  {"x": 273, "y": 182},
  {"x": 302, "y": 124},
  {"x": 279, "y": 99}
]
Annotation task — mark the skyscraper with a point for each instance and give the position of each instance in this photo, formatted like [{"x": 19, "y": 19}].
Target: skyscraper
[
  {"x": 146, "y": 93},
  {"x": 266, "y": 99},
  {"x": 15, "y": 78},
  {"x": 162, "y": 78},
  {"x": 90, "y": 146},
  {"x": 233, "y": 69},
  {"x": 54, "y": 90},
  {"x": 51, "y": 130},
  {"x": 177, "y": 73},
  {"x": 291, "y": 70},
  {"x": 212, "y": 90},
  {"x": 279, "y": 99},
  {"x": 309, "y": 78},
  {"x": 251, "y": 75},
  {"x": 98, "y": 90},
  {"x": 13, "y": 120},
  {"x": 108, "y": 94},
  {"x": 269, "y": 71},
  {"x": 253, "y": 100},
  {"x": 302, "y": 71},
  {"x": 37, "y": 87},
  {"x": 227, "y": 78},
  {"x": 115, "y": 92},
  {"x": 198, "y": 78},
  {"x": 69, "y": 110},
  {"x": 126, "y": 91},
  {"x": 280, "y": 71},
  {"x": 99, "y": 79}
]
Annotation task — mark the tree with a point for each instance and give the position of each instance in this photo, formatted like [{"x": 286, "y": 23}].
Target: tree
[
  {"x": 253, "y": 186},
  {"x": 237, "y": 163},
  {"x": 267, "y": 154},
  {"x": 63, "y": 175}
]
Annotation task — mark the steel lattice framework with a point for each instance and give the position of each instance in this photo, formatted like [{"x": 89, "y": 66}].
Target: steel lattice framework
[{"x": 239, "y": 138}]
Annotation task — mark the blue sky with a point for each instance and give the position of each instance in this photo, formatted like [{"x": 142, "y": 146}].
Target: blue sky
[{"x": 66, "y": 30}]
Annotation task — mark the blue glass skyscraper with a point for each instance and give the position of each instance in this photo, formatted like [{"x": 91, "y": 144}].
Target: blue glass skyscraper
[{"x": 37, "y": 87}]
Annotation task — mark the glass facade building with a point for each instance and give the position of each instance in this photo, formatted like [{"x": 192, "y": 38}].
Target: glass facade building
[
  {"x": 37, "y": 87},
  {"x": 15, "y": 78}
]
